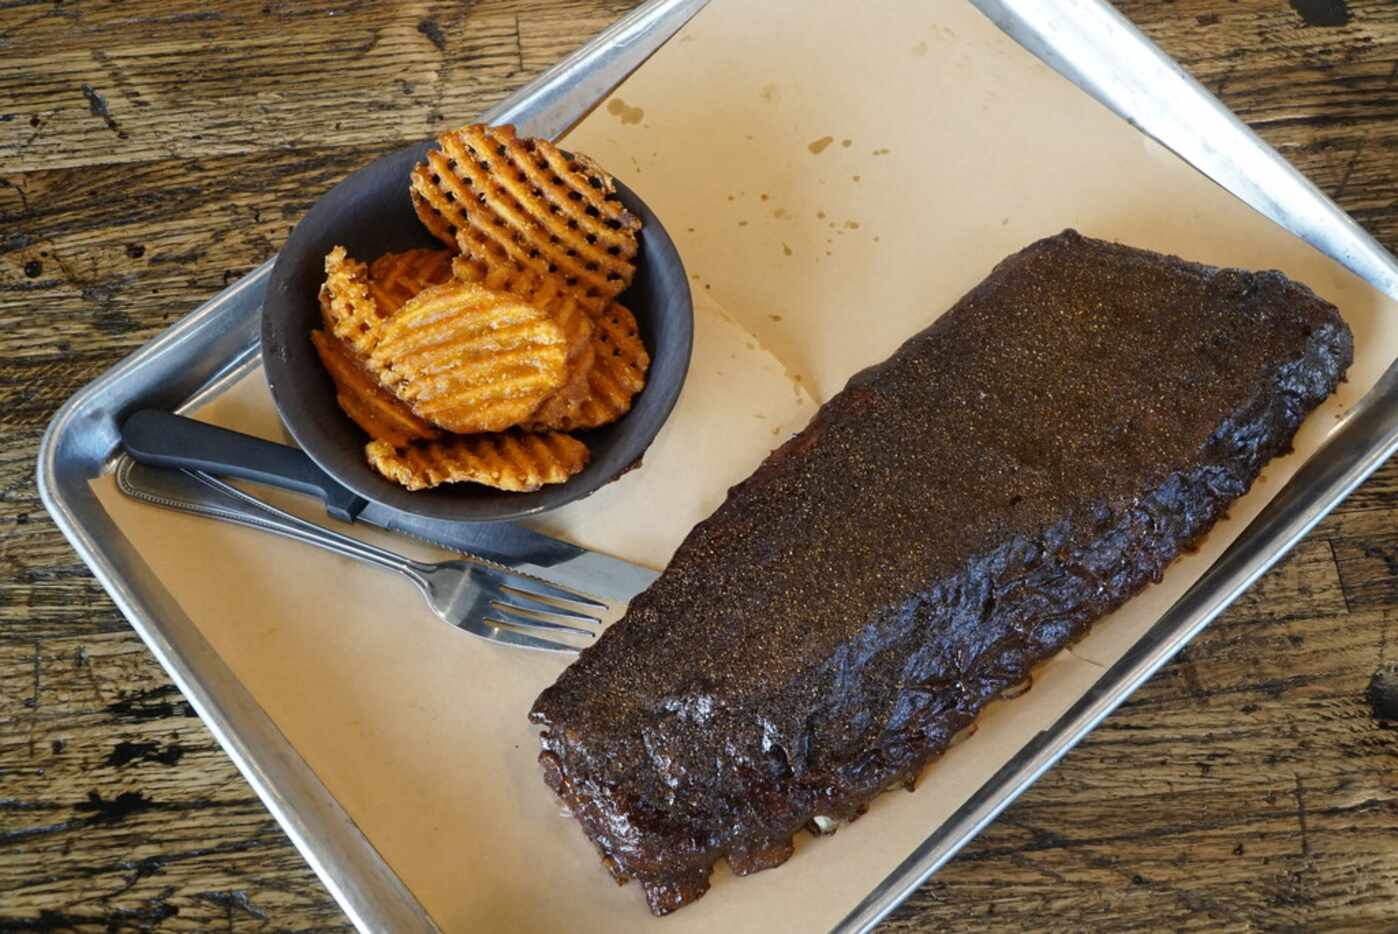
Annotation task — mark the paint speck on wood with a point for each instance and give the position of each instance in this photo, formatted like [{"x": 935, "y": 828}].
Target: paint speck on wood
[
  {"x": 1322, "y": 12},
  {"x": 429, "y": 28}
]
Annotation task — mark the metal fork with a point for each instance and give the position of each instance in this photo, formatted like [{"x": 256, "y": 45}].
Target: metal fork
[{"x": 484, "y": 599}]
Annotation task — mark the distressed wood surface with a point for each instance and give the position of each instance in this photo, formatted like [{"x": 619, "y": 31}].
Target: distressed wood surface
[{"x": 151, "y": 152}]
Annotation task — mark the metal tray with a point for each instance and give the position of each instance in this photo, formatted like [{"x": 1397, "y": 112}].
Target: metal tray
[{"x": 1088, "y": 42}]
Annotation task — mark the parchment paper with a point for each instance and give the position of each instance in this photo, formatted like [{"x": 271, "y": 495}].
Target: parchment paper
[{"x": 836, "y": 176}]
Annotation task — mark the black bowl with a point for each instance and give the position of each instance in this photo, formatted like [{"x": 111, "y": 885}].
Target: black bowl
[{"x": 369, "y": 213}]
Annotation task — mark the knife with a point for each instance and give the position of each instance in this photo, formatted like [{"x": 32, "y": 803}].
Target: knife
[{"x": 168, "y": 452}]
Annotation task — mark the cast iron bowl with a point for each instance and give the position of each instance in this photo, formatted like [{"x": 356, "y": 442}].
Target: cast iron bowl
[{"x": 369, "y": 213}]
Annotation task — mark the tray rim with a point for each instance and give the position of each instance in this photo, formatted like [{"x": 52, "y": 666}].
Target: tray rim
[
  {"x": 76, "y": 448},
  {"x": 81, "y": 442}
]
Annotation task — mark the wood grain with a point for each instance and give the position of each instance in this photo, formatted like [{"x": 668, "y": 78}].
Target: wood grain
[{"x": 151, "y": 152}]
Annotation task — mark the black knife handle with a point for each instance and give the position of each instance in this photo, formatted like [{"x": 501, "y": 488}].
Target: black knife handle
[{"x": 163, "y": 439}]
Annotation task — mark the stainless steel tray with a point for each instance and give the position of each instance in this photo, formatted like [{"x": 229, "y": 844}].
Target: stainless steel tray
[{"x": 1085, "y": 40}]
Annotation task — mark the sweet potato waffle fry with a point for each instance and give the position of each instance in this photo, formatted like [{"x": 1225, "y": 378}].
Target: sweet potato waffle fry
[
  {"x": 382, "y": 415},
  {"x": 347, "y": 305},
  {"x": 499, "y": 198},
  {"x": 395, "y": 278},
  {"x": 517, "y": 461},
  {"x": 547, "y": 291},
  {"x": 618, "y": 373},
  {"x": 470, "y": 359}
]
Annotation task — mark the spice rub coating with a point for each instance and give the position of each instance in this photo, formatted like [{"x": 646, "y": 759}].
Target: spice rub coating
[{"x": 954, "y": 516}]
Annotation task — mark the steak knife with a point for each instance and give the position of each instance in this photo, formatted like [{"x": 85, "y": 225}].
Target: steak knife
[{"x": 168, "y": 452}]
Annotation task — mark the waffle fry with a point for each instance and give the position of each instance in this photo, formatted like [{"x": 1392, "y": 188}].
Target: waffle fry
[
  {"x": 471, "y": 359},
  {"x": 565, "y": 404},
  {"x": 394, "y": 278},
  {"x": 347, "y": 305},
  {"x": 543, "y": 290},
  {"x": 516, "y": 461},
  {"x": 382, "y": 415},
  {"x": 618, "y": 372},
  {"x": 550, "y": 292},
  {"x": 327, "y": 312},
  {"x": 500, "y": 199},
  {"x": 506, "y": 275}
]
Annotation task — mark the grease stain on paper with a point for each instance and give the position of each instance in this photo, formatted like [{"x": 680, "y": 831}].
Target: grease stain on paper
[{"x": 622, "y": 111}]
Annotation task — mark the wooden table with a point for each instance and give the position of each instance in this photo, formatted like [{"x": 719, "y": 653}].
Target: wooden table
[{"x": 151, "y": 153}]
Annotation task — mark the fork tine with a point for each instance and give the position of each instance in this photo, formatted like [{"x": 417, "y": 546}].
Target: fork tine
[
  {"x": 503, "y": 613},
  {"x": 523, "y": 640},
  {"x": 534, "y": 586},
  {"x": 513, "y": 598}
]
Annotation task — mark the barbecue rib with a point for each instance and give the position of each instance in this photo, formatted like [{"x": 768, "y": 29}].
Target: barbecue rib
[{"x": 954, "y": 516}]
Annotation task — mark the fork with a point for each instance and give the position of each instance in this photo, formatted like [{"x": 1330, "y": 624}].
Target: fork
[{"x": 482, "y": 598}]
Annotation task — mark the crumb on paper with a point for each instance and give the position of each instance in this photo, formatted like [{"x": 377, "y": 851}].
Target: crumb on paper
[
  {"x": 786, "y": 250},
  {"x": 882, "y": 152},
  {"x": 851, "y": 225},
  {"x": 775, "y": 317},
  {"x": 847, "y": 143},
  {"x": 818, "y": 146}
]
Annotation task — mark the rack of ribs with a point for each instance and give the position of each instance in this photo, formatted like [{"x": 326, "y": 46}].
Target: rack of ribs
[{"x": 954, "y": 516}]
